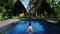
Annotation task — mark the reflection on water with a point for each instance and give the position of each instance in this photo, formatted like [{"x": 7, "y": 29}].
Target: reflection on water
[{"x": 21, "y": 28}]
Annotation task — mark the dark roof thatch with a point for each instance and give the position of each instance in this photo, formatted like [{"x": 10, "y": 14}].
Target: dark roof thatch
[{"x": 18, "y": 9}]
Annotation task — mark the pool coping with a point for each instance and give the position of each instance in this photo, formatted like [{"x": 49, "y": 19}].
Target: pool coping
[{"x": 4, "y": 27}]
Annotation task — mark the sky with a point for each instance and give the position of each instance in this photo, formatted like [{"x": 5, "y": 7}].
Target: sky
[
  {"x": 25, "y": 3},
  {"x": 58, "y": 0}
]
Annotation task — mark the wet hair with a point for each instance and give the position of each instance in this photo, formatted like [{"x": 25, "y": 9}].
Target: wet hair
[{"x": 29, "y": 24}]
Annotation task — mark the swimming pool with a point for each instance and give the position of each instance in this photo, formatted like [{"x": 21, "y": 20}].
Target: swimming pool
[
  {"x": 39, "y": 27},
  {"x": 21, "y": 28}
]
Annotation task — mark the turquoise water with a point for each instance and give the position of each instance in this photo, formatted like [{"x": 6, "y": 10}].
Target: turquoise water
[{"x": 21, "y": 28}]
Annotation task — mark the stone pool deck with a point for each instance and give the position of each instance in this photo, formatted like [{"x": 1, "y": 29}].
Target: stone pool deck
[
  {"x": 55, "y": 21},
  {"x": 7, "y": 22}
]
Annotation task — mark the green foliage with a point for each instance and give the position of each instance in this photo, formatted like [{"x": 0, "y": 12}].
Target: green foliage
[
  {"x": 2, "y": 9},
  {"x": 10, "y": 3},
  {"x": 21, "y": 15},
  {"x": 53, "y": 3},
  {"x": 15, "y": 17},
  {"x": 6, "y": 6}
]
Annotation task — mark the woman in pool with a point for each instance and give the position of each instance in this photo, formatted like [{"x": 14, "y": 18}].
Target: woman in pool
[{"x": 30, "y": 29}]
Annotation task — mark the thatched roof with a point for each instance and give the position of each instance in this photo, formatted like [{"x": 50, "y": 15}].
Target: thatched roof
[{"x": 18, "y": 9}]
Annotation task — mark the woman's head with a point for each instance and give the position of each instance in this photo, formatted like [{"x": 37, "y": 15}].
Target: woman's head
[{"x": 29, "y": 24}]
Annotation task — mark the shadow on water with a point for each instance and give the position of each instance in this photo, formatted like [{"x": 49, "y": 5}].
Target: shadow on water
[{"x": 51, "y": 28}]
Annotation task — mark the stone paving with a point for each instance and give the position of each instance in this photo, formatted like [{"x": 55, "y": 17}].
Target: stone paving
[{"x": 7, "y": 22}]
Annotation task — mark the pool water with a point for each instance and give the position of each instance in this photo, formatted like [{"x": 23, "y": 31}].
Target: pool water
[{"x": 21, "y": 28}]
